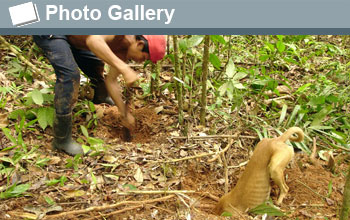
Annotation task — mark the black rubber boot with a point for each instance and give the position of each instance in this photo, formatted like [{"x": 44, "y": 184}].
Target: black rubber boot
[
  {"x": 62, "y": 132},
  {"x": 101, "y": 94}
]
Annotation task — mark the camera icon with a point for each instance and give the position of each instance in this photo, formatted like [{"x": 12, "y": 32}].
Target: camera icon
[{"x": 24, "y": 14}]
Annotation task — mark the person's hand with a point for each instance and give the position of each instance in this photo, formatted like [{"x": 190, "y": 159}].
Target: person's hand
[
  {"x": 129, "y": 121},
  {"x": 129, "y": 75}
]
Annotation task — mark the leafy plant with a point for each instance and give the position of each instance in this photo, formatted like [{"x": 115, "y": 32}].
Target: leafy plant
[
  {"x": 62, "y": 180},
  {"x": 14, "y": 191}
]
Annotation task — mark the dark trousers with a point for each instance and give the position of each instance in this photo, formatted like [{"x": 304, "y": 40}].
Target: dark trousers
[{"x": 66, "y": 61}]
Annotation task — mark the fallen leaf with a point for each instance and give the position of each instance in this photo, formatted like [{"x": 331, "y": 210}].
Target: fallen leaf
[
  {"x": 3, "y": 121},
  {"x": 111, "y": 176},
  {"x": 110, "y": 159},
  {"x": 183, "y": 153},
  {"x": 330, "y": 202},
  {"x": 74, "y": 193},
  {"x": 54, "y": 160},
  {"x": 138, "y": 175},
  {"x": 24, "y": 215},
  {"x": 158, "y": 109}
]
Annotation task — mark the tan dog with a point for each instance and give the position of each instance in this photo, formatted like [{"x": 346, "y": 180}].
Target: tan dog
[{"x": 269, "y": 159}]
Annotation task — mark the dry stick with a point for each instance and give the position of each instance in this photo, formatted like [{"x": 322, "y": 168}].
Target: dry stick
[
  {"x": 115, "y": 212},
  {"x": 308, "y": 187},
  {"x": 211, "y": 196},
  {"x": 155, "y": 192},
  {"x": 22, "y": 58},
  {"x": 223, "y": 151},
  {"x": 226, "y": 172},
  {"x": 223, "y": 158},
  {"x": 313, "y": 154},
  {"x": 195, "y": 156},
  {"x": 212, "y": 137},
  {"x": 101, "y": 208},
  {"x": 160, "y": 208}
]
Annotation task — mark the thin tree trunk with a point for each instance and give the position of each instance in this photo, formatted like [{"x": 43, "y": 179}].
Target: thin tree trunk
[
  {"x": 204, "y": 79},
  {"x": 155, "y": 79},
  {"x": 344, "y": 214},
  {"x": 177, "y": 84}
]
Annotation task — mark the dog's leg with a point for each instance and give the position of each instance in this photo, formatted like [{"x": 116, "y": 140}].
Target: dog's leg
[{"x": 278, "y": 162}]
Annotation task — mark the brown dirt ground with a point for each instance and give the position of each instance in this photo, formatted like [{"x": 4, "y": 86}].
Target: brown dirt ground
[{"x": 307, "y": 199}]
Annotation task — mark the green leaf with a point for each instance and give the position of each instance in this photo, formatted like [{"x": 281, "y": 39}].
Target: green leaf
[
  {"x": 318, "y": 118},
  {"x": 215, "y": 61},
  {"x": 280, "y": 37},
  {"x": 19, "y": 189},
  {"x": 16, "y": 113},
  {"x": 270, "y": 46},
  {"x": 226, "y": 214},
  {"x": 84, "y": 131},
  {"x": 62, "y": 180},
  {"x": 195, "y": 40},
  {"x": 223, "y": 88},
  {"x": 230, "y": 69},
  {"x": 42, "y": 118},
  {"x": 183, "y": 45},
  {"x": 330, "y": 188},
  {"x": 52, "y": 182},
  {"x": 92, "y": 106},
  {"x": 263, "y": 58},
  {"x": 37, "y": 97},
  {"x": 7, "y": 159},
  {"x": 239, "y": 76},
  {"x": 266, "y": 209},
  {"x": 303, "y": 87},
  {"x": 238, "y": 85},
  {"x": 131, "y": 187},
  {"x": 294, "y": 113},
  {"x": 317, "y": 100},
  {"x": 86, "y": 148},
  {"x": 93, "y": 178},
  {"x": 49, "y": 200},
  {"x": 7, "y": 133},
  {"x": 283, "y": 114},
  {"x": 280, "y": 46},
  {"x": 218, "y": 38},
  {"x": 50, "y": 115},
  {"x": 14, "y": 191}
]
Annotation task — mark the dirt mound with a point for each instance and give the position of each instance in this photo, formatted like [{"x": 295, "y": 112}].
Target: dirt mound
[{"x": 146, "y": 122}]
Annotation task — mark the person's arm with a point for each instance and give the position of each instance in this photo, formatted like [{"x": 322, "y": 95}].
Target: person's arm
[
  {"x": 114, "y": 91},
  {"x": 97, "y": 44}
]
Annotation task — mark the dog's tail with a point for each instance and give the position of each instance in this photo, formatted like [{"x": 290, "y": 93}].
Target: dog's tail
[{"x": 288, "y": 135}]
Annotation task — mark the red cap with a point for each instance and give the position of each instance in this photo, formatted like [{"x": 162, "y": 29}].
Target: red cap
[{"x": 156, "y": 46}]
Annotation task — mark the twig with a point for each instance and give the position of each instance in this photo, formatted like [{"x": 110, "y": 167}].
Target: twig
[
  {"x": 193, "y": 157},
  {"x": 212, "y": 137},
  {"x": 308, "y": 187},
  {"x": 239, "y": 165},
  {"x": 22, "y": 58},
  {"x": 313, "y": 154},
  {"x": 101, "y": 208},
  {"x": 160, "y": 208},
  {"x": 225, "y": 171},
  {"x": 221, "y": 152},
  {"x": 211, "y": 196},
  {"x": 155, "y": 192},
  {"x": 116, "y": 212}
]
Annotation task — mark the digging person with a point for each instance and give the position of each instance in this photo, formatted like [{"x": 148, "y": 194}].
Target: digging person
[{"x": 89, "y": 53}]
